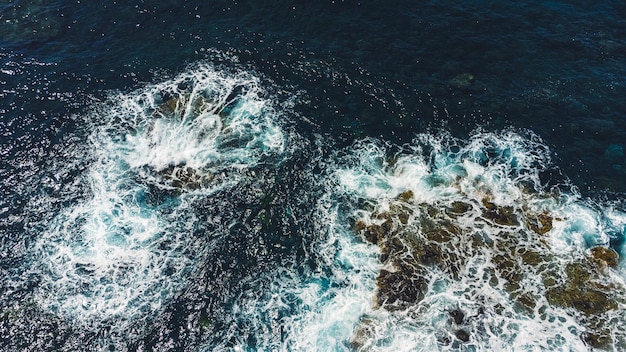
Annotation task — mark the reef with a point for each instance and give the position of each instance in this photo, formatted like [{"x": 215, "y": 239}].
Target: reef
[
  {"x": 185, "y": 177},
  {"x": 422, "y": 243}
]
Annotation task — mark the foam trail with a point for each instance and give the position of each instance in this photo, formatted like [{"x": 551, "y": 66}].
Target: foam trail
[{"x": 124, "y": 251}]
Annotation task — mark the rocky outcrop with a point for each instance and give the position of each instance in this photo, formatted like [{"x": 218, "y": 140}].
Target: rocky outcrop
[{"x": 421, "y": 242}]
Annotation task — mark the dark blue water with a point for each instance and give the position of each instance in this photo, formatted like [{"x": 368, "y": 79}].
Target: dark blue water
[{"x": 331, "y": 74}]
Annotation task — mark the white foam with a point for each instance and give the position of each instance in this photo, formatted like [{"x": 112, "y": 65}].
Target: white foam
[
  {"x": 123, "y": 252},
  {"x": 490, "y": 166},
  {"x": 334, "y": 310}
]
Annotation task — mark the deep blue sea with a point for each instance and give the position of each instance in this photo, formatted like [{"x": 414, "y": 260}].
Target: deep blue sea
[{"x": 312, "y": 176}]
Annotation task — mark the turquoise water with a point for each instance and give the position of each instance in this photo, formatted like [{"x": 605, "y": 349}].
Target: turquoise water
[{"x": 179, "y": 176}]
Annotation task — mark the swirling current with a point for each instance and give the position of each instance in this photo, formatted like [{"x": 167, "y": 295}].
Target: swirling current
[{"x": 207, "y": 181}]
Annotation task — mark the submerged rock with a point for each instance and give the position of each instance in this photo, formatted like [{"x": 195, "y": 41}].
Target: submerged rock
[
  {"x": 179, "y": 105},
  {"x": 364, "y": 331},
  {"x": 462, "y": 80},
  {"x": 462, "y": 335},
  {"x": 420, "y": 243},
  {"x": 614, "y": 151},
  {"x": 500, "y": 215},
  {"x": 33, "y": 20},
  {"x": 605, "y": 256},
  {"x": 184, "y": 177},
  {"x": 540, "y": 224},
  {"x": 457, "y": 315}
]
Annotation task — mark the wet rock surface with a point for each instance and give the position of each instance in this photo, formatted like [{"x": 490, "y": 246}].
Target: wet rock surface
[
  {"x": 421, "y": 243},
  {"x": 185, "y": 177}
]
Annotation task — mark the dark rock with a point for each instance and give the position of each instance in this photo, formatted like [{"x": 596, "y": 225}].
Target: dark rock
[
  {"x": 462, "y": 80},
  {"x": 398, "y": 290},
  {"x": 540, "y": 224},
  {"x": 531, "y": 257},
  {"x": 462, "y": 335},
  {"x": 598, "y": 335},
  {"x": 373, "y": 233},
  {"x": 589, "y": 302},
  {"x": 417, "y": 240},
  {"x": 364, "y": 331},
  {"x": 173, "y": 104},
  {"x": 600, "y": 340},
  {"x": 430, "y": 255},
  {"x": 579, "y": 291},
  {"x": 376, "y": 233},
  {"x": 526, "y": 301},
  {"x": 184, "y": 177},
  {"x": 360, "y": 225},
  {"x": 393, "y": 247},
  {"x": 500, "y": 215},
  {"x": 458, "y": 208},
  {"x": 457, "y": 315},
  {"x": 508, "y": 270}
]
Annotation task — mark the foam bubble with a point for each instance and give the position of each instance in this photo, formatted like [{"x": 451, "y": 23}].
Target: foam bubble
[
  {"x": 505, "y": 254},
  {"x": 495, "y": 181},
  {"x": 123, "y": 251}
]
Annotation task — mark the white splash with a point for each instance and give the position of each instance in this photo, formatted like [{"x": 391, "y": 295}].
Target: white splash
[
  {"x": 123, "y": 252},
  {"x": 335, "y": 309}
]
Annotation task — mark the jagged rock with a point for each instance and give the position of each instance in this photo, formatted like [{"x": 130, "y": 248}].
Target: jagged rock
[
  {"x": 458, "y": 208},
  {"x": 199, "y": 104},
  {"x": 184, "y": 177},
  {"x": 500, "y": 215},
  {"x": 457, "y": 315},
  {"x": 462, "y": 335},
  {"x": 363, "y": 332},
  {"x": 173, "y": 104},
  {"x": 508, "y": 270},
  {"x": 605, "y": 256},
  {"x": 525, "y": 301},
  {"x": 588, "y": 301},
  {"x": 597, "y": 340},
  {"x": 599, "y": 334},
  {"x": 579, "y": 292},
  {"x": 417, "y": 240},
  {"x": 399, "y": 289},
  {"x": 540, "y": 224},
  {"x": 406, "y": 196},
  {"x": 530, "y": 257}
]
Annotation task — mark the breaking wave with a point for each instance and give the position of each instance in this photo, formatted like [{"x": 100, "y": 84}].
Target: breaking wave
[
  {"x": 448, "y": 244},
  {"x": 117, "y": 253}
]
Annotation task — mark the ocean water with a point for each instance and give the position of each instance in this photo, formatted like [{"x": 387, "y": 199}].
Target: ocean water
[{"x": 325, "y": 176}]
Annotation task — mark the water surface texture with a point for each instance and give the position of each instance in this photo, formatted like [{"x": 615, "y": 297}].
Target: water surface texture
[{"x": 324, "y": 176}]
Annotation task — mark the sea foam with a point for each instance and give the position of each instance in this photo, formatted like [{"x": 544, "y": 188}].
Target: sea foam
[
  {"x": 116, "y": 256},
  {"x": 448, "y": 244}
]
